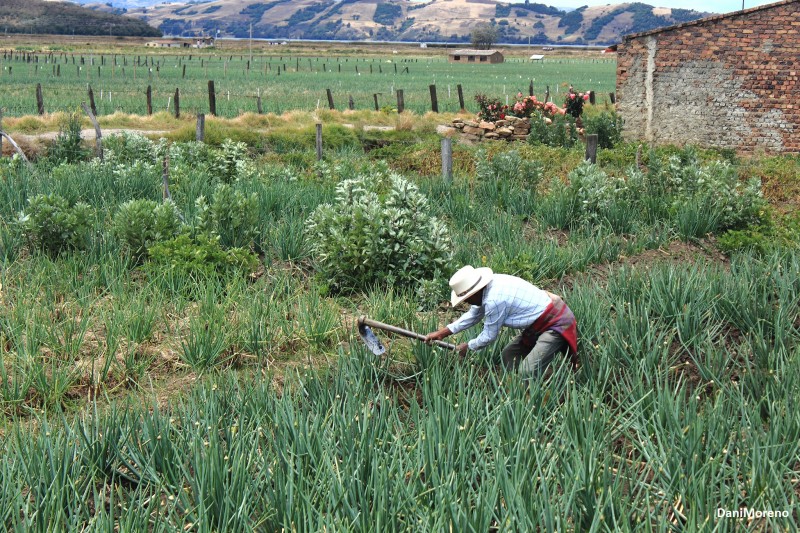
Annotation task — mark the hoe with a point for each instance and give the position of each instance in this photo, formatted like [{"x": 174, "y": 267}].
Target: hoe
[{"x": 375, "y": 345}]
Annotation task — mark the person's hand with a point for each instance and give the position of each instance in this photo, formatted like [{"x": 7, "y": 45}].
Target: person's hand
[
  {"x": 437, "y": 335},
  {"x": 462, "y": 349}
]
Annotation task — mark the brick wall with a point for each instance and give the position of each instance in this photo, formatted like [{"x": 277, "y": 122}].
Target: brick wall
[{"x": 727, "y": 82}]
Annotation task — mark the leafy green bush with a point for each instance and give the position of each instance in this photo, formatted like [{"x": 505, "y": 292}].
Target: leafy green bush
[
  {"x": 126, "y": 148},
  {"x": 139, "y": 224},
  {"x": 67, "y": 146},
  {"x": 230, "y": 161},
  {"x": 596, "y": 192},
  {"x": 718, "y": 186},
  {"x": 562, "y": 132},
  {"x": 508, "y": 166},
  {"x": 51, "y": 224},
  {"x": 377, "y": 232},
  {"x": 762, "y": 238},
  {"x": 231, "y": 215},
  {"x": 199, "y": 257},
  {"x": 607, "y": 127}
]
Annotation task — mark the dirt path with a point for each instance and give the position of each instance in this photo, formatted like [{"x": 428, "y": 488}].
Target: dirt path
[{"x": 87, "y": 134}]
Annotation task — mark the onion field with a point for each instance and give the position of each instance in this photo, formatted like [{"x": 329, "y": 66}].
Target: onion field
[{"x": 197, "y": 374}]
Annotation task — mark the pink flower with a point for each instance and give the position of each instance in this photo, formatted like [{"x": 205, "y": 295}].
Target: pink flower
[
  {"x": 585, "y": 97},
  {"x": 572, "y": 96},
  {"x": 519, "y": 95}
]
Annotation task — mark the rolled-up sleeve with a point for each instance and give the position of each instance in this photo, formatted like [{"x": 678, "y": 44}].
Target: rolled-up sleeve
[
  {"x": 494, "y": 317},
  {"x": 467, "y": 320}
]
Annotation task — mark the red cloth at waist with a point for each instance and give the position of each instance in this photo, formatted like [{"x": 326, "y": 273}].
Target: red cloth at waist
[{"x": 556, "y": 317}]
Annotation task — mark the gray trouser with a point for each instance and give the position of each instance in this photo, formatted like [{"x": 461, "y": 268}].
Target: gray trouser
[{"x": 532, "y": 362}]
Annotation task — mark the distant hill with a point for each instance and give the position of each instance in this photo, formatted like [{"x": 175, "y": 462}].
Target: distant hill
[
  {"x": 38, "y": 16},
  {"x": 389, "y": 20}
]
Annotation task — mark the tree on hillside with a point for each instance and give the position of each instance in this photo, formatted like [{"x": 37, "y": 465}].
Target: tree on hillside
[{"x": 483, "y": 36}]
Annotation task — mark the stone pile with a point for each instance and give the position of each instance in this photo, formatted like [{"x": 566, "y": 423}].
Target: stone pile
[{"x": 507, "y": 129}]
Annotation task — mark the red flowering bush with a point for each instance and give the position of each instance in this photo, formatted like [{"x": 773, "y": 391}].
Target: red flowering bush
[
  {"x": 527, "y": 106},
  {"x": 491, "y": 110},
  {"x": 573, "y": 103}
]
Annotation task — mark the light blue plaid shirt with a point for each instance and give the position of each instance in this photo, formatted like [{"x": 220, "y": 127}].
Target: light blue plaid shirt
[{"x": 507, "y": 301}]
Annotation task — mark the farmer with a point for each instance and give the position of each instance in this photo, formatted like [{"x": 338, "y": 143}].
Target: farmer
[{"x": 548, "y": 326}]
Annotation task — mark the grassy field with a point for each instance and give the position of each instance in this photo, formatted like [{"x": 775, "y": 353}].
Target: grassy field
[
  {"x": 286, "y": 78},
  {"x": 143, "y": 394}
]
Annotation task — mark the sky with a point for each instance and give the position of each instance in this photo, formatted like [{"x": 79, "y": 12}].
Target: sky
[{"x": 711, "y": 6}]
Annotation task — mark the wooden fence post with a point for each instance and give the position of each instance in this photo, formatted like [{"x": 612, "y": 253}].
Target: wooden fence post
[
  {"x": 98, "y": 139},
  {"x": 375, "y": 97},
  {"x": 547, "y": 95},
  {"x": 258, "y": 105},
  {"x": 591, "y": 97},
  {"x": 200, "y": 130},
  {"x": 212, "y": 98},
  {"x": 434, "y": 100},
  {"x": 350, "y": 103},
  {"x": 1, "y": 129},
  {"x": 177, "y": 103},
  {"x": 612, "y": 97},
  {"x": 401, "y": 103},
  {"x": 149, "y": 94},
  {"x": 319, "y": 141},
  {"x": 39, "y": 99},
  {"x": 330, "y": 99},
  {"x": 91, "y": 100},
  {"x": 591, "y": 148},
  {"x": 460, "y": 97},
  {"x": 530, "y": 89},
  {"x": 447, "y": 159}
]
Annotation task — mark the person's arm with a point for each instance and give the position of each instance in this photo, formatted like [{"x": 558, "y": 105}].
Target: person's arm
[
  {"x": 492, "y": 322},
  {"x": 468, "y": 319}
]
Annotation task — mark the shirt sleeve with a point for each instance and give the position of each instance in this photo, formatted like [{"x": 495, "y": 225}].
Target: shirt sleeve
[
  {"x": 467, "y": 320},
  {"x": 493, "y": 321}
]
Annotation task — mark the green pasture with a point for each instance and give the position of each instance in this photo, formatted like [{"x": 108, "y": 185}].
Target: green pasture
[{"x": 284, "y": 83}]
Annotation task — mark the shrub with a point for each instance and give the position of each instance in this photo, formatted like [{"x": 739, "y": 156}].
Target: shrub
[
  {"x": 558, "y": 132},
  {"x": 597, "y": 194},
  {"x": 491, "y": 109},
  {"x": 508, "y": 166},
  {"x": 607, "y": 127},
  {"x": 52, "y": 225},
  {"x": 199, "y": 257},
  {"x": 717, "y": 187},
  {"x": 573, "y": 102},
  {"x": 127, "y": 148},
  {"x": 230, "y": 160},
  {"x": 377, "y": 232},
  {"x": 67, "y": 147},
  {"x": 231, "y": 216},
  {"x": 139, "y": 224}
]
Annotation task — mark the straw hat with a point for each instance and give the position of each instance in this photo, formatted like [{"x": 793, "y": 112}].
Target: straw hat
[{"x": 467, "y": 281}]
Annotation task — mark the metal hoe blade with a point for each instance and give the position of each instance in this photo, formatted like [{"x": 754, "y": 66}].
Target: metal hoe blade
[{"x": 372, "y": 341}]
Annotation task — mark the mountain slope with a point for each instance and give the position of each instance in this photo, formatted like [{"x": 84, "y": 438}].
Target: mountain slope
[
  {"x": 38, "y": 16},
  {"x": 435, "y": 20}
]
